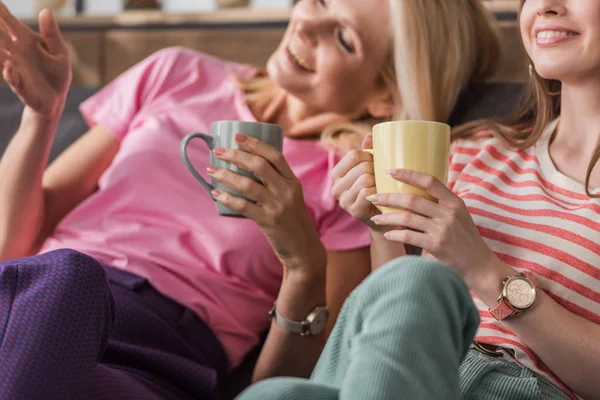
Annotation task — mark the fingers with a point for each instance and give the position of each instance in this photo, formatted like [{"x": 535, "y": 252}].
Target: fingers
[
  {"x": 4, "y": 57},
  {"x": 349, "y": 161},
  {"x": 358, "y": 191},
  {"x": 344, "y": 183},
  {"x": 10, "y": 76},
  {"x": 409, "y": 237},
  {"x": 405, "y": 220},
  {"x": 408, "y": 202},
  {"x": 268, "y": 152},
  {"x": 51, "y": 32},
  {"x": 237, "y": 204},
  {"x": 368, "y": 142},
  {"x": 242, "y": 184},
  {"x": 6, "y": 41},
  {"x": 423, "y": 181},
  {"x": 259, "y": 166},
  {"x": 12, "y": 24}
]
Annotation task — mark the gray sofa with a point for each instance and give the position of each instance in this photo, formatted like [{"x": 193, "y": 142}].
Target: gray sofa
[{"x": 479, "y": 101}]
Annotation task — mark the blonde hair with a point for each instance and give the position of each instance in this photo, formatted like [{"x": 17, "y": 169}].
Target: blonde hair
[
  {"x": 539, "y": 105},
  {"x": 438, "y": 48}
]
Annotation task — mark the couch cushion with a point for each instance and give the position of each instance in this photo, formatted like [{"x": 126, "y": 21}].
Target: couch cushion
[
  {"x": 485, "y": 101},
  {"x": 71, "y": 125}
]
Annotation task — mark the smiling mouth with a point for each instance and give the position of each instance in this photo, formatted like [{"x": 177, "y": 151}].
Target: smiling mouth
[
  {"x": 299, "y": 61},
  {"x": 553, "y": 34}
]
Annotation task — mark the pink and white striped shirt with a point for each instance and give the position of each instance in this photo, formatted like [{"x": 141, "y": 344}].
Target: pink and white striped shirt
[{"x": 535, "y": 219}]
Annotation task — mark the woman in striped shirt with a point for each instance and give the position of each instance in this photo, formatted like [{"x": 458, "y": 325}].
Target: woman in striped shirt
[{"x": 520, "y": 204}]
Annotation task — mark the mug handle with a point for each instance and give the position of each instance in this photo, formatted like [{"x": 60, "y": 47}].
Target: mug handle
[
  {"x": 370, "y": 151},
  {"x": 184, "y": 157}
]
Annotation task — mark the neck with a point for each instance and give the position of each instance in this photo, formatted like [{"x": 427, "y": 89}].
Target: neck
[
  {"x": 579, "y": 117},
  {"x": 297, "y": 118}
]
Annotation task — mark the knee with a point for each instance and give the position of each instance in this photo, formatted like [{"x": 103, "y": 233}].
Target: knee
[
  {"x": 67, "y": 271},
  {"x": 288, "y": 389}
]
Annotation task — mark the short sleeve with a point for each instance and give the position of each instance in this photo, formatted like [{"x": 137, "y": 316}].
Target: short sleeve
[
  {"x": 340, "y": 231},
  {"x": 117, "y": 104}
]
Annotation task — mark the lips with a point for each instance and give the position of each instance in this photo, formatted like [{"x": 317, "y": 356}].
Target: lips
[{"x": 299, "y": 60}]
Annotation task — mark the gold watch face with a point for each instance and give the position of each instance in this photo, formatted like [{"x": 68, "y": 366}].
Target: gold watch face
[{"x": 520, "y": 293}]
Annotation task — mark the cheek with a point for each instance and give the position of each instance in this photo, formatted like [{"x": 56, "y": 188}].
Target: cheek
[
  {"x": 346, "y": 87},
  {"x": 525, "y": 28}
]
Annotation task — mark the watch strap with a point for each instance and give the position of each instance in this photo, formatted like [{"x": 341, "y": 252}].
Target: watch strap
[
  {"x": 300, "y": 328},
  {"x": 503, "y": 310}
]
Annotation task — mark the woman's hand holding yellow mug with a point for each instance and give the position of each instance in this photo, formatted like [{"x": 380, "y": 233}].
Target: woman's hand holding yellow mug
[
  {"x": 354, "y": 181},
  {"x": 414, "y": 145},
  {"x": 442, "y": 227}
]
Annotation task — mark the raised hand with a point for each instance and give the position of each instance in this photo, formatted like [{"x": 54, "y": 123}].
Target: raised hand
[{"x": 37, "y": 67}]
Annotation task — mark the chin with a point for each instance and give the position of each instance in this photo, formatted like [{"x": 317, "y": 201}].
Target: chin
[{"x": 550, "y": 69}]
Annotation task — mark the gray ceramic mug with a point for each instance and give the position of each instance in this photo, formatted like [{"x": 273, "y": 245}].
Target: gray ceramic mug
[{"x": 223, "y": 136}]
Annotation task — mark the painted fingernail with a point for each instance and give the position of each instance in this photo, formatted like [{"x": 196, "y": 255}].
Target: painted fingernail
[
  {"x": 216, "y": 193},
  {"x": 241, "y": 138},
  {"x": 218, "y": 151},
  {"x": 211, "y": 170}
]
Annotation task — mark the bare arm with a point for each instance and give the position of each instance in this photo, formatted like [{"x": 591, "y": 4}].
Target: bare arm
[
  {"x": 299, "y": 294},
  {"x": 384, "y": 251},
  {"x": 32, "y": 200},
  {"x": 21, "y": 195}
]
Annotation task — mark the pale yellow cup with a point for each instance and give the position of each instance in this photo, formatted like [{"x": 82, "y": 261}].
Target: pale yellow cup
[{"x": 422, "y": 146}]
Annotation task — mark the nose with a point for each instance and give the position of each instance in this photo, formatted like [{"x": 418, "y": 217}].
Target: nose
[
  {"x": 551, "y": 8},
  {"x": 310, "y": 30}
]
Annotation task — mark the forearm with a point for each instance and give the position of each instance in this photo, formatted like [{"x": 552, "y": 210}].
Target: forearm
[
  {"x": 288, "y": 354},
  {"x": 383, "y": 250},
  {"x": 21, "y": 194},
  {"x": 567, "y": 344}
]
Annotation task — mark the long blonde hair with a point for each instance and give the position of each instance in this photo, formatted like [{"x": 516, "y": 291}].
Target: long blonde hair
[
  {"x": 438, "y": 48},
  {"x": 539, "y": 105}
]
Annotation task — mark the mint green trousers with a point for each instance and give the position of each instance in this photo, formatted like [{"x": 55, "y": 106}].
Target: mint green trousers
[{"x": 406, "y": 333}]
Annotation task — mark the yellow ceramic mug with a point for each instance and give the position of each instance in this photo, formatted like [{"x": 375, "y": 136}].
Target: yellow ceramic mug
[{"x": 422, "y": 146}]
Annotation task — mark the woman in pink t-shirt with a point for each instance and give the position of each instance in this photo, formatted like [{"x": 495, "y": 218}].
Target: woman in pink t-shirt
[{"x": 189, "y": 290}]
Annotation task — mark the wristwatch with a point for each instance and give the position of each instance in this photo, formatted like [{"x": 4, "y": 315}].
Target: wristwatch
[
  {"x": 311, "y": 326},
  {"x": 518, "y": 294}
]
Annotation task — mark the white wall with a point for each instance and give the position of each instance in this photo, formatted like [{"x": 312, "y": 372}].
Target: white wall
[{"x": 24, "y": 8}]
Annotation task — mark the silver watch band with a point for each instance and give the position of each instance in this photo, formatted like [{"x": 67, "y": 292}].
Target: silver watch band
[{"x": 312, "y": 325}]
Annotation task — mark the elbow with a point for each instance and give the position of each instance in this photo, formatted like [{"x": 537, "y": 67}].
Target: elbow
[{"x": 11, "y": 247}]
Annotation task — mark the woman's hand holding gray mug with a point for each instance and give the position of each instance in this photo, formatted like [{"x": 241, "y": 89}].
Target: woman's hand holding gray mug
[{"x": 252, "y": 179}]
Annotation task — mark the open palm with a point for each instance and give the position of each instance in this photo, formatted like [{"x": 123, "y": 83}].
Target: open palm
[{"x": 37, "y": 67}]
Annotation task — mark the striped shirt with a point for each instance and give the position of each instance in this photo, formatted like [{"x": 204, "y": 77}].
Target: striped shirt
[{"x": 535, "y": 219}]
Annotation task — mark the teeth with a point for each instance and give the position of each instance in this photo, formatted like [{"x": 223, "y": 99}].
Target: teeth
[
  {"x": 550, "y": 34},
  {"x": 299, "y": 60}
]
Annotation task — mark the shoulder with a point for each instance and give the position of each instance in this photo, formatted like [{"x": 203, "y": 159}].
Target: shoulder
[{"x": 465, "y": 149}]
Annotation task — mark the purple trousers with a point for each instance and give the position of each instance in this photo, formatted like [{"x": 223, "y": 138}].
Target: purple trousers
[{"x": 68, "y": 332}]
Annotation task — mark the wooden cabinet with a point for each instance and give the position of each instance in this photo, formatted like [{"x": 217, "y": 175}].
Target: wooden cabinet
[{"x": 103, "y": 48}]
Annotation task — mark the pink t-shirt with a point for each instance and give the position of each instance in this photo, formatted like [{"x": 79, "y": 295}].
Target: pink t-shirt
[{"x": 151, "y": 217}]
